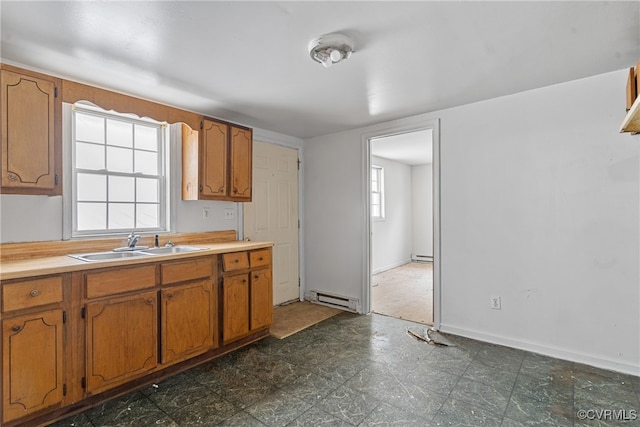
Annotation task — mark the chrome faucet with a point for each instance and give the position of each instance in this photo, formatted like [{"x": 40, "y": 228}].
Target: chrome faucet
[{"x": 132, "y": 239}]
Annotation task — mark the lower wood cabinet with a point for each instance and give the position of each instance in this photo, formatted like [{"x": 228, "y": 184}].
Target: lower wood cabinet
[
  {"x": 247, "y": 294},
  {"x": 235, "y": 307},
  {"x": 32, "y": 368},
  {"x": 261, "y": 299},
  {"x": 70, "y": 337},
  {"x": 188, "y": 320},
  {"x": 122, "y": 339}
]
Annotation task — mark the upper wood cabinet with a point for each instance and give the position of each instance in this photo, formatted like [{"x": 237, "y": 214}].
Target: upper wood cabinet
[
  {"x": 240, "y": 153},
  {"x": 31, "y": 133},
  {"x": 216, "y": 162}
]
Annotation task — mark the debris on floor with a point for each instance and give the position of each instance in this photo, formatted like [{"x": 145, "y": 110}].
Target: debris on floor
[{"x": 430, "y": 336}]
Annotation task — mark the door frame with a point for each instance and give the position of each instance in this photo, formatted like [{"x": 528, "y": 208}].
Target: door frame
[
  {"x": 293, "y": 143},
  {"x": 434, "y": 125}
]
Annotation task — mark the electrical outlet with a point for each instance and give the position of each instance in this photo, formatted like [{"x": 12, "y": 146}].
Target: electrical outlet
[
  {"x": 229, "y": 213},
  {"x": 496, "y": 303},
  {"x": 205, "y": 213}
]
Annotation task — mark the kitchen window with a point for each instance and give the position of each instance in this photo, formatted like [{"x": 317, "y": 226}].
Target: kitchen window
[
  {"x": 119, "y": 179},
  {"x": 377, "y": 192}
]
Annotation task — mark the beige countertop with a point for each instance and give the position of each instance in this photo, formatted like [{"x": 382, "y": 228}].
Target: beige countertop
[{"x": 23, "y": 268}]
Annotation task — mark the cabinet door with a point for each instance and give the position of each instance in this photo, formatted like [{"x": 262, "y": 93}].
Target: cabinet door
[
  {"x": 235, "y": 307},
  {"x": 121, "y": 339},
  {"x": 214, "y": 159},
  {"x": 32, "y": 369},
  {"x": 241, "y": 151},
  {"x": 28, "y": 133},
  {"x": 261, "y": 299},
  {"x": 188, "y": 320}
]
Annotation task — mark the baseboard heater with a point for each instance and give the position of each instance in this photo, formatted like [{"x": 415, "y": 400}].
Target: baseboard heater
[
  {"x": 423, "y": 258},
  {"x": 335, "y": 301}
]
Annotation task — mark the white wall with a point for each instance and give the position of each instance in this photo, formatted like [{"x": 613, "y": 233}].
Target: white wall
[
  {"x": 392, "y": 236},
  {"x": 539, "y": 205},
  {"x": 422, "y": 209}
]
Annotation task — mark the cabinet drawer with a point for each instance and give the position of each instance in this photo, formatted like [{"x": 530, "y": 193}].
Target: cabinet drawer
[
  {"x": 260, "y": 258},
  {"x": 235, "y": 261},
  {"x": 31, "y": 293},
  {"x": 187, "y": 270},
  {"x": 117, "y": 281}
]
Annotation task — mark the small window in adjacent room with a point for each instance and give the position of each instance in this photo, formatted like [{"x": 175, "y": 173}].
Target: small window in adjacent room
[
  {"x": 377, "y": 192},
  {"x": 118, "y": 173}
]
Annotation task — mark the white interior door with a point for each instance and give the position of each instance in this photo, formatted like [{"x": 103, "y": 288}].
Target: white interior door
[{"x": 273, "y": 214}]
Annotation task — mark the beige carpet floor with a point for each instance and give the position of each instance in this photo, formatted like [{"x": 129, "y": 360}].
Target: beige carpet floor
[
  {"x": 291, "y": 318},
  {"x": 405, "y": 292}
]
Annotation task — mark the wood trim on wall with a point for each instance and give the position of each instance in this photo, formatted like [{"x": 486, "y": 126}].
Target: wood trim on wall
[{"x": 73, "y": 92}]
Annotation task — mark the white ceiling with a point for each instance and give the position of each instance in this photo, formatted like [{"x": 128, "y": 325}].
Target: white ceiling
[{"x": 248, "y": 61}]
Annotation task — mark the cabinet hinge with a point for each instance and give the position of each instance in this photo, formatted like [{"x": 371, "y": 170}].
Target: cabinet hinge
[
  {"x": 64, "y": 389},
  {"x": 299, "y": 161},
  {"x": 298, "y": 282},
  {"x": 56, "y": 179},
  {"x": 298, "y": 224},
  {"x": 83, "y": 312},
  {"x": 201, "y": 125},
  {"x": 83, "y": 382},
  {"x": 55, "y": 92},
  {"x": 64, "y": 317}
]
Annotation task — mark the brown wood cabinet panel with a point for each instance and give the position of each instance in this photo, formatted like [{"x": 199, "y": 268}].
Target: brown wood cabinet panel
[
  {"x": 187, "y": 270},
  {"x": 235, "y": 307},
  {"x": 31, "y": 293},
  {"x": 214, "y": 159},
  {"x": 30, "y": 140},
  {"x": 116, "y": 281},
  {"x": 235, "y": 261},
  {"x": 261, "y": 299},
  {"x": 188, "y": 320},
  {"x": 241, "y": 144},
  {"x": 32, "y": 368},
  {"x": 121, "y": 340},
  {"x": 220, "y": 163},
  {"x": 260, "y": 258},
  {"x": 190, "y": 165}
]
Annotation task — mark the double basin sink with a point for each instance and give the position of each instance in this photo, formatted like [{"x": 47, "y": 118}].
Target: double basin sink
[{"x": 135, "y": 253}]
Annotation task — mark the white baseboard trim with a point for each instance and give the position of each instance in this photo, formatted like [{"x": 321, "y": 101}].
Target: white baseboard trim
[
  {"x": 391, "y": 266},
  {"x": 557, "y": 352}
]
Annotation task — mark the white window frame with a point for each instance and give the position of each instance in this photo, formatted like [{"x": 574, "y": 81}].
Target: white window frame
[
  {"x": 377, "y": 172},
  {"x": 70, "y": 203}
]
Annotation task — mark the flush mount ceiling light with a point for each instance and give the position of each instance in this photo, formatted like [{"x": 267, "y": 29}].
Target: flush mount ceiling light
[{"x": 330, "y": 49}]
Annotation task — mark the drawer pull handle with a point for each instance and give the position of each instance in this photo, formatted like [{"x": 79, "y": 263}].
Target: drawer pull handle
[
  {"x": 34, "y": 293},
  {"x": 236, "y": 260},
  {"x": 12, "y": 177},
  {"x": 150, "y": 301},
  {"x": 15, "y": 328},
  {"x": 169, "y": 296},
  {"x": 260, "y": 259},
  {"x": 256, "y": 277},
  {"x": 244, "y": 280}
]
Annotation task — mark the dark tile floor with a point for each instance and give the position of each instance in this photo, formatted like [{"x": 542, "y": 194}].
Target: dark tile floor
[{"x": 355, "y": 370}]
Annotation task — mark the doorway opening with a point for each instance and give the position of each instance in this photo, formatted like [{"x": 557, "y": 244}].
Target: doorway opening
[{"x": 403, "y": 220}]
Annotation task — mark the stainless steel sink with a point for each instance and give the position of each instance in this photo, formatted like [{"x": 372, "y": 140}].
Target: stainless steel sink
[
  {"x": 115, "y": 255},
  {"x": 171, "y": 250},
  {"x": 107, "y": 256}
]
